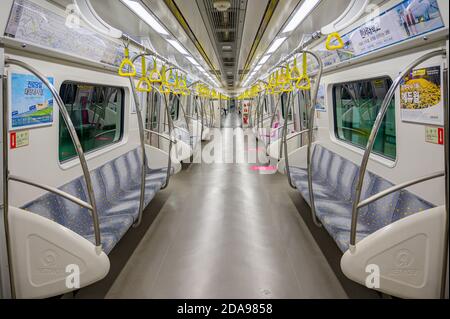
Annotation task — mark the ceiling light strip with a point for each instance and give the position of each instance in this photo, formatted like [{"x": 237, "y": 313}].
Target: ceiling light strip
[{"x": 268, "y": 14}]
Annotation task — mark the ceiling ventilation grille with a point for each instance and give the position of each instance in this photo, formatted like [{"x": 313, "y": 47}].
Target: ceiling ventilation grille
[{"x": 225, "y": 26}]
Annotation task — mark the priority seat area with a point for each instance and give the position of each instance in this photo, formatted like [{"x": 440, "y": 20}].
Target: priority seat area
[
  {"x": 334, "y": 185},
  {"x": 116, "y": 186}
]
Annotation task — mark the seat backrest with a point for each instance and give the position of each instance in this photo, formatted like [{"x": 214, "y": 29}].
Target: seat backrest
[
  {"x": 379, "y": 213},
  {"x": 325, "y": 162},
  {"x": 333, "y": 173},
  {"x": 111, "y": 180},
  {"x": 316, "y": 158},
  {"x": 133, "y": 160},
  {"x": 73, "y": 216},
  {"x": 409, "y": 204},
  {"x": 46, "y": 206},
  {"x": 346, "y": 182}
]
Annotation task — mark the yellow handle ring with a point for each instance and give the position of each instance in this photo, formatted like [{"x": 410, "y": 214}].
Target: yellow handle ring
[
  {"x": 334, "y": 37},
  {"x": 126, "y": 62},
  {"x": 305, "y": 86}
]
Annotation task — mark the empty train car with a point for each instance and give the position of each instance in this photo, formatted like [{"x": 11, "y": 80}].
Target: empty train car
[{"x": 224, "y": 149}]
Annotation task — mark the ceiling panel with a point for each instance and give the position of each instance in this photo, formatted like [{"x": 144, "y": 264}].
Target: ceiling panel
[
  {"x": 192, "y": 14},
  {"x": 253, "y": 17}
]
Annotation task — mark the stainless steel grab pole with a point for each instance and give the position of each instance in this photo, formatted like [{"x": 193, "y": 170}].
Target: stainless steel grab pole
[
  {"x": 171, "y": 143},
  {"x": 284, "y": 142},
  {"x": 5, "y": 127},
  {"x": 142, "y": 142},
  {"x": 371, "y": 141},
  {"x": 312, "y": 110}
]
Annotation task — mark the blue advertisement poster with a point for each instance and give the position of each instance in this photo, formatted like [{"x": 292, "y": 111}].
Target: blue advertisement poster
[{"x": 31, "y": 102}]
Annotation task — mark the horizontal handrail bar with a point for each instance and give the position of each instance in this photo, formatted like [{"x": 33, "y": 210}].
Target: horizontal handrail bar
[
  {"x": 299, "y": 133},
  {"x": 267, "y": 117},
  {"x": 105, "y": 133},
  {"x": 167, "y": 137},
  {"x": 398, "y": 187},
  {"x": 181, "y": 128},
  {"x": 51, "y": 189}
]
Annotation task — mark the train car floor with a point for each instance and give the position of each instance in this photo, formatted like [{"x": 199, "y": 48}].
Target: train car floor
[{"x": 227, "y": 231}]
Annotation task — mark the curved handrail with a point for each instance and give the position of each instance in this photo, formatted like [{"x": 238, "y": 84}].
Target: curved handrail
[
  {"x": 51, "y": 189},
  {"x": 371, "y": 141},
  {"x": 286, "y": 123},
  {"x": 172, "y": 141},
  {"x": 398, "y": 187},
  {"x": 75, "y": 140},
  {"x": 164, "y": 136},
  {"x": 286, "y": 151},
  {"x": 294, "y": 135},
  {"x": 142, "y": 142},
  {"x": 314, "y": 94}
]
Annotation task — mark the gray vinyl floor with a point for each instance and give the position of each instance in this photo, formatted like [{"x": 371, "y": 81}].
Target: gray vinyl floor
[{"x": 227, "y": 232}]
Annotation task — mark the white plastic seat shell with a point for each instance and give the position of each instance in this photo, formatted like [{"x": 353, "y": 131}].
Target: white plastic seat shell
[{"x": 41, "y": 251}]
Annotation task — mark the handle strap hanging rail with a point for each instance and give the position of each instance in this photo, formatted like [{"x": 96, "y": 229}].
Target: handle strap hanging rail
[{"x": 370, "y": 143}]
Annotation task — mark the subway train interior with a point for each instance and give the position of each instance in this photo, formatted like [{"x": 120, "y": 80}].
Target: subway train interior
[{"x": 224, "y": 149}]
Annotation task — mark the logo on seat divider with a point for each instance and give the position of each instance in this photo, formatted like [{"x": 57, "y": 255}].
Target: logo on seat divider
[{"x": 373, "y": 279}]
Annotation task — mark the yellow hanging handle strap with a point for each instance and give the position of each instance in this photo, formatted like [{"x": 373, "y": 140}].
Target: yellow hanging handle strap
[
  {"x": 294, "y": 75},
  {"x": 164, "y": 87},
  {"x": 155, "y": 75},
  {"x": 304, "y": 82},
  {"x": 126, "y": 62},
  {"x": 287, "y": 83},
  {"x": 144, "y": 84},
  {"x": 332, "y": 37},
  {"x": 176, "y": 87},
  {"x": 171, "y": 81}
]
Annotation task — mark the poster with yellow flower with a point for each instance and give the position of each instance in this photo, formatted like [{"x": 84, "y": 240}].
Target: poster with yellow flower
[{"x": 421, "y": 96}]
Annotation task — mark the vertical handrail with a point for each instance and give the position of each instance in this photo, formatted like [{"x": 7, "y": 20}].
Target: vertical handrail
[
  {"x": 446, "y": 159},
  {"x": 284, "y": 142},
  {"x": 312, "y": 110},
  {"x": 142, "y": 142},
  {"x": 5, "y": 124},
  {"x": 371, "y": 141},
  {"x": 75, "y": 140},
  {"x": 169, "y": 161}
]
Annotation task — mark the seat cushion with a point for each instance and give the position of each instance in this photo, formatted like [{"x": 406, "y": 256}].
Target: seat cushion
[
  {"x": 334, "y": 183},
  {"x": 116, "y": 187}
]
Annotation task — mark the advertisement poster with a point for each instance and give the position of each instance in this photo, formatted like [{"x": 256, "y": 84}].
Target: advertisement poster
[
  {"x": 31, "y": 102},
  {"x": 421, "y": 96},
  {"x": 408, "y": 19}
]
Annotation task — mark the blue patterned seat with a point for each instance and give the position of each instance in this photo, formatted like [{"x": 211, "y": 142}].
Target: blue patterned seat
[
  {"x": 116, "y": 187},
  {"x": 334, "y": 183}
]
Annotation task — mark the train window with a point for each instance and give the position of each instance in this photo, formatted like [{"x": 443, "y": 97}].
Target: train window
[
  {"x": 356, "y": 105},
  {"x": 97, "y": 113}
]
